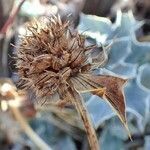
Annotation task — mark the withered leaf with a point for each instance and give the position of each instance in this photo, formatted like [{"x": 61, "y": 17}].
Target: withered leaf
[
  {"x": 113, "y": 93},
  {"x": 108, "y": 87}
]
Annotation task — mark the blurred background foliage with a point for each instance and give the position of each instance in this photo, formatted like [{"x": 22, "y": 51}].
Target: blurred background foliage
[{"x": 125, "y": 24}]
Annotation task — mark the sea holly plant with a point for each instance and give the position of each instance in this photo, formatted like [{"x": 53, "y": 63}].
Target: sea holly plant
[{"x": 54, "y": 61}]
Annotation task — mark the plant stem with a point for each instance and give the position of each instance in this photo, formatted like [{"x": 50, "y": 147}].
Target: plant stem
[
  {"x": 11, "y": 17},
  {"x": 81, "y": 108},
  {"x": 28, "y": 130}
]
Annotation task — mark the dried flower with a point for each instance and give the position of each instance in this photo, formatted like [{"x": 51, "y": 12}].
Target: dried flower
[{"x": 56, "y": 63}]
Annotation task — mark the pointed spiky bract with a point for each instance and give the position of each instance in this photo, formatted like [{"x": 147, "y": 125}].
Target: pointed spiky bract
[{"x": 49, "y": 55}]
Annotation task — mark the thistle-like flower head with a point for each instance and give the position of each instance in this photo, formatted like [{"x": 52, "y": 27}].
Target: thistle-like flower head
[
  {"x": 54, "y": 61},
  {"x": 50, "y": 55}
]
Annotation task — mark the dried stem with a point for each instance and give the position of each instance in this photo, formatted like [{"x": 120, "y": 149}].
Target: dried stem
[
  {"x": 11, "y": 18},
  {"x": 91, "y": 134},
  {"x": 28, "y": 130}
]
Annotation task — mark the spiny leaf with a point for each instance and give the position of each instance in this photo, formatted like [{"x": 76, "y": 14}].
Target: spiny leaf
[{"x": 114, "y": 94}]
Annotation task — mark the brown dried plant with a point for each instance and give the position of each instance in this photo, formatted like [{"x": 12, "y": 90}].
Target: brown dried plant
[{"x": 54, "y": 61}]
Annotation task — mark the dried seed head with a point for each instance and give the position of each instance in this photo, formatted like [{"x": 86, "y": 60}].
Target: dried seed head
[
  {"x": 57, "y": 64},
  {"x": 49, "y": 55}
]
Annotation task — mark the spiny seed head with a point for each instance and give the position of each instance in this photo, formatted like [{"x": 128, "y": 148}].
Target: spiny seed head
[
  {"x": 55, "y": 63},
  {"x": 50, "y": 54}
]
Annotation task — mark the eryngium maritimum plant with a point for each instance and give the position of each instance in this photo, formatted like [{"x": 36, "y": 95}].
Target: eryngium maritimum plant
[{"x": 55, "y": 63}]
